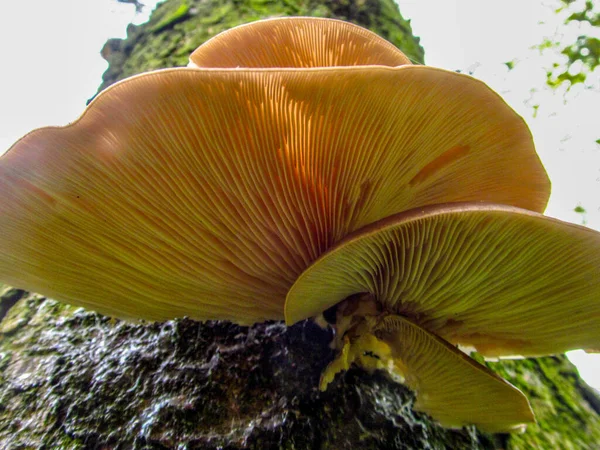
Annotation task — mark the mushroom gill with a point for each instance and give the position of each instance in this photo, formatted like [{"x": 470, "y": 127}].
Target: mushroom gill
[
  {"x": 503, "y": 280},
  {"x": 206, "y": 193},
  {"x": 300, "y": 42},
  {"x": 450, "y": 386}
]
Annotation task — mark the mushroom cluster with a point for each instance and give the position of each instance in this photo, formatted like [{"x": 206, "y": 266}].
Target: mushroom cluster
[{"x": 303, "y": 165}]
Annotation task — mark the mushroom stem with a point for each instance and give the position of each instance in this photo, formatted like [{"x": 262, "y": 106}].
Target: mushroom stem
[
  {"x": 364, "y": 350},
  {"x": 356, "y": 319}
]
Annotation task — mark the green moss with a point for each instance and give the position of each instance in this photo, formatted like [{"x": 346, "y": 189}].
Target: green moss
[
  {"x": 8, "y": 297},
  {"x": 172, "y": 17},
  {"x": 559, "y": 398}
]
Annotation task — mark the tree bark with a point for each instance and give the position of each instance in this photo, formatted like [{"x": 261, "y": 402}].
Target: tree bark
[{"x": 71, "y": 378}]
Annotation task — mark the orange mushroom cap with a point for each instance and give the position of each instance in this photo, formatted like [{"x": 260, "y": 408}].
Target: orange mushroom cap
[
  {"x": 503, "y": 280},
  {"x": 449, "y": 385},
  {"x": 300, "y": 42},
  {"x": 206, "y": 192}
]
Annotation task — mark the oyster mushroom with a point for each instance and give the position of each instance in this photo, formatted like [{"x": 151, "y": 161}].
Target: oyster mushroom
[
  {"x": 502, "y": 280},
  {"x": 206, "y": 192},
  {"x": 299, "y": 42}
]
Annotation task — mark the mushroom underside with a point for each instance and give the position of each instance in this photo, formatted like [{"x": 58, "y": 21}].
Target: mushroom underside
[
  {"x": 449, "y": 386},
  {"x": 503, "y": 280},
  {"x": 205, "y": 193}
]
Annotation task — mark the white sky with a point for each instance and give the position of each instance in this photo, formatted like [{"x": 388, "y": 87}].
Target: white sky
[{"x": 50, "y": 65}]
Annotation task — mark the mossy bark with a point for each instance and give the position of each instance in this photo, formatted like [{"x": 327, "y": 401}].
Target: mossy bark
[
  {"x": 70, "y": 378},
  {"x": 177, "y": 27}
]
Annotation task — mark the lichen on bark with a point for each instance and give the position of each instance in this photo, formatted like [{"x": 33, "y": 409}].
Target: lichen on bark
[{"x": 73, "y": 379}]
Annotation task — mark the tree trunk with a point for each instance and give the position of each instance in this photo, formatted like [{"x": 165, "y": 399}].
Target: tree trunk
[{"x": 70, "y": 378}]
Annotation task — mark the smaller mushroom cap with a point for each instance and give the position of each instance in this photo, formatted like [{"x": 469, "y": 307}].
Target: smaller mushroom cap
[
  {"x": 450, "y": 386},
  {"x": 299, "y": 42},
  {"x": 503, "y": 280}
]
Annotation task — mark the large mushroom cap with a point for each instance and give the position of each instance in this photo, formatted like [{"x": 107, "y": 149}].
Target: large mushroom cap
[
  {"x": 503, "y": 280},
  {"x": 207, "y": 192},
  {"x": 299, "y": 42}
]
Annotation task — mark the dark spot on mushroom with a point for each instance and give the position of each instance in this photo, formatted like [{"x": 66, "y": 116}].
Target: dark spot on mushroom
[
  {"x": 330, "y": 314},
  {"x": 445, "y": 159}
]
